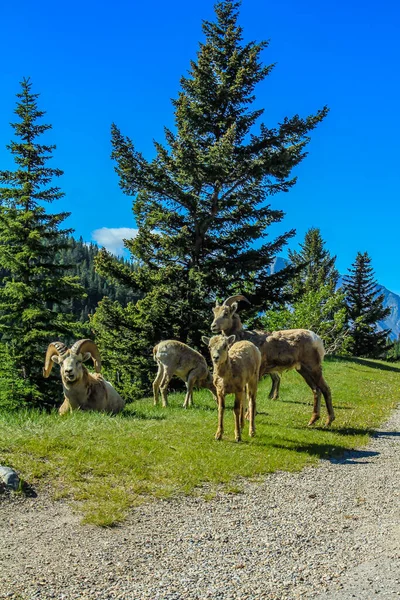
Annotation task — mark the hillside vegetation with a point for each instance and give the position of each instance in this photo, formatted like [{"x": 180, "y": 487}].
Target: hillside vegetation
[{"x": 105, "y": 465}]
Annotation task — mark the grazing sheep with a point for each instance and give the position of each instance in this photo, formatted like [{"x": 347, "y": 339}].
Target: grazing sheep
[
  {"x": 176, "y": 358},
  {"x": 298, "y": 349},
  {"x": 82, "y": 390},
  {"x": 236, "y": 371}
]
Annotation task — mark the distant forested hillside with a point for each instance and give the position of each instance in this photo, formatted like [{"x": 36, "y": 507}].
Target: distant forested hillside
[{"x": 81, "y": 256}]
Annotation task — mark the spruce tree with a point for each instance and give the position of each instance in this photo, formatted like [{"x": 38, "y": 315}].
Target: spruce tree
[
  {"x": 365, "y": 309},
  {"x": 33, "y": 281},
  {"x": 317, "y": 266},
  {"x": 202, "y": 202}
]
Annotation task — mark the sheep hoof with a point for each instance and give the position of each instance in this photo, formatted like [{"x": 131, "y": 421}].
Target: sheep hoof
[
  {"x": 313, "y": 419},
  {"x": 238, "y": 439},
  {"x": 329, "y": 421},
  {"x": 218, "y": 435},
  {"x": 252, "y": 433}
]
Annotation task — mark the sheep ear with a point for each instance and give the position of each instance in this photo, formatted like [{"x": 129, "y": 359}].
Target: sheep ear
[
  {"x": 231, "y": 339},
  {"x": 86, "y": 356},
  {"x": 206, "y": 340},
  {"x": 57, "y": 359},
  {"x": 234, "y": 307}
]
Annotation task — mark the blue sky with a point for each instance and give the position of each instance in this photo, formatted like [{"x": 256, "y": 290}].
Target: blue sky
[{"x": 95, "y": 63}]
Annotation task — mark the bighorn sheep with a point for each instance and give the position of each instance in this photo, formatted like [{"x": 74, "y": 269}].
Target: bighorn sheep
[
  {"x": 228, "y": 321},
  {"x": 298, "y": 349},
  {"x": 236, "y": 371},
  {"x": 82, "y": 390},
  {"x": 176, "y": 358}
]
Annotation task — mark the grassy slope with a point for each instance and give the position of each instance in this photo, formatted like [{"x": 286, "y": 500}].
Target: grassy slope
[{"x": 108, "y": 464}]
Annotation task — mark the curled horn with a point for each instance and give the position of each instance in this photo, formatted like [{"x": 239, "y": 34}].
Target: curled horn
[
  {"x": 54, "y": 348},
  {"x": 82, "y": 346},
  {"x": 229, "y": 301}
]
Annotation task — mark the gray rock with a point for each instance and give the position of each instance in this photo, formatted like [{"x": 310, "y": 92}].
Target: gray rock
[{"x": 9, "y": 477}]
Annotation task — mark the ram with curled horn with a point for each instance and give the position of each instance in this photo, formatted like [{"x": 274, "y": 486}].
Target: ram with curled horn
[
  {"x": 82, "y": 390},
  {"x": 298, "y": 349}
]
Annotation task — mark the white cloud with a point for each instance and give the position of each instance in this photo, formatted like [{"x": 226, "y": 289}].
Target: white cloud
[{"x": 112, "y": 238}]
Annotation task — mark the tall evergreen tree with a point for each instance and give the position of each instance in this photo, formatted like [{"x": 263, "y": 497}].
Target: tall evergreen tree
[
  {"x": 29, "y": 239},
  {"x": 318, "y": 266},
  {"x": 201, "y": 203},
  {"x": 365, "y": 309}
]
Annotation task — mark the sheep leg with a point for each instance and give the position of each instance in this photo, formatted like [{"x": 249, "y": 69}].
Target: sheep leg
[
  {"x": 164, "y": 386},
  {"x": 237, "y": 410},
  {"x": 324, "y": 387},
  {"x": 252, "y": 394},
  {"x": 65, "y": 407},
  {"x": 156, "y": 383},
  {"x": 276, "y": 383},
  {"x": 221, "y": 409},
  {"x": 191, "y": 380},
  {"x": 309, "y": 379}
]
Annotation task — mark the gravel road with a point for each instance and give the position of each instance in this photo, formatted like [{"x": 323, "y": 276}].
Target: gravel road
[{"x": 326, "y": 533}]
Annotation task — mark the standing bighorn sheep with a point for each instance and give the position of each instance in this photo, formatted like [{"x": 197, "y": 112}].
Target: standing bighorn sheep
[
  {"x": 298, "y": 349},
  {"x": 176, "y": 358},
  {"x": 228, "y": 321},
  {"x": 236, "y": 371},
  {"x": 82, "y": 390}
]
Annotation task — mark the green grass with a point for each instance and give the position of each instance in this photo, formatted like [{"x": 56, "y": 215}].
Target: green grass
[{"x": 105, "y": 465}]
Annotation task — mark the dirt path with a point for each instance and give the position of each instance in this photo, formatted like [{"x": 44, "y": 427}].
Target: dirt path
[{"x": 329, "y": 533}]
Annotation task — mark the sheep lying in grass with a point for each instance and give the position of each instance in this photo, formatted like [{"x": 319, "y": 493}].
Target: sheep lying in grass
[
  {"x": 236, "y": 371},
  {"x": 176, "y": 358},
  {"x": 82, "y": 390}
]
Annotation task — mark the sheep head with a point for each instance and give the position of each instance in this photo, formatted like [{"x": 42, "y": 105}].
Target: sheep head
[
  {"x": 219, "y": 346},
  {"x": 223, "y": 313},
  {"x": 70, "y": 360}
]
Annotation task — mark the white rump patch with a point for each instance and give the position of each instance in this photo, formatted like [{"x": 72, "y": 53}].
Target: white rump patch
[
  {"x": 315, "y": 338},
  {"x": 317, "y": 343}
]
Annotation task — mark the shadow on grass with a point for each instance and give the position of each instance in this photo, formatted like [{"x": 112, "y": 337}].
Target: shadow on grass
[
  {"x": 203, "y": 408},
  {"x": 368, "y": 363},
  {"x": 340, "y": 430},
  {"x": 353, "y": 430},
  {"x": 325, "y": 451},
  {"x": 310, "y": 403},
  {"x": 142, "y": 415}
]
